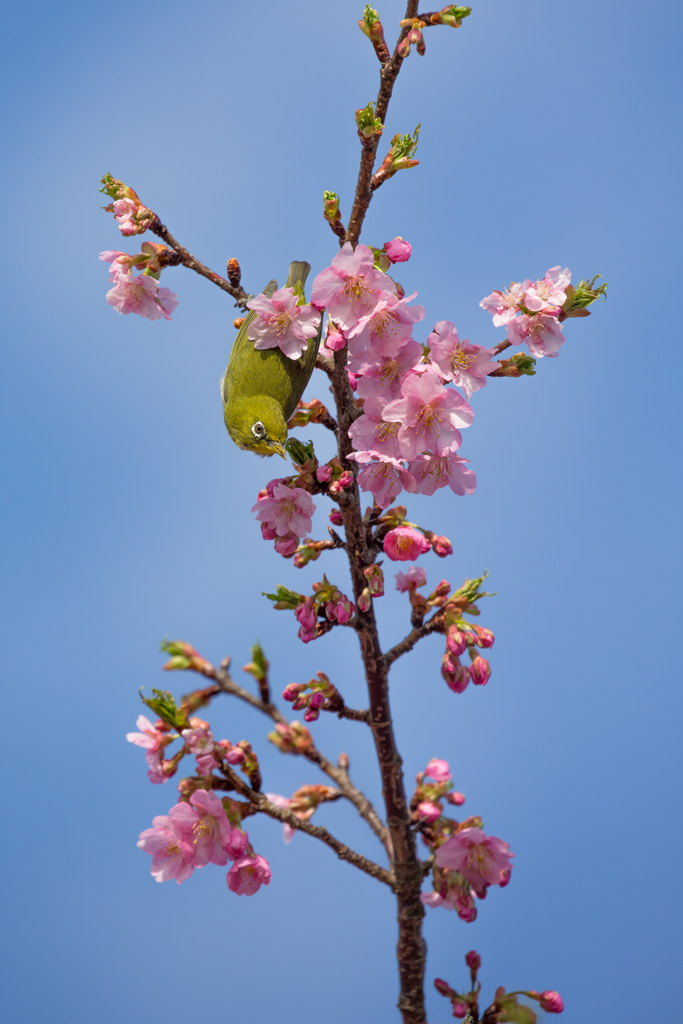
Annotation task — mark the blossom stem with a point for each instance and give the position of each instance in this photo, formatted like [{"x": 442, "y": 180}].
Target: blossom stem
[
  {"x": 433, "y": 625},
  {"x": 387, "y": 78},
  {"x": 339, "y": 775},
  {"x": 263, "y": 804},
  {"x": 188, "y": 260}
]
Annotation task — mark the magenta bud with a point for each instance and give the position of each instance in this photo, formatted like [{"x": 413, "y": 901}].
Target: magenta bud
[
  {"x": 460, "y": 1008},
  {"x": 336, "y": 517},
  {"x": 317, "y": 700},
  {"x": 473, "y": 960},
  {"x": 441, "y": 546},
  {"x": 456, "y": 798},
  {"x": 286, "y": 546},
  {"x": 346, "y": 479},
  {"x": 292, "y": 691},
  {"x": 301, "y": 701},
  {"x": 235, "y": 756},
  {"x": 505, "y": 877},
  {"x": 455, "y": 674},
  {"x": 455, "y": 641},
  {"x": 311, "y": 715},
  {"x": 552, "y": 1002},
  {"x": 480, "y": 671},
  {"x": 443, "y": 987},
  {"x": 267, "y": 533},
  {"x": 485, "y": 637},
  {"x": 428, "y": 810}
]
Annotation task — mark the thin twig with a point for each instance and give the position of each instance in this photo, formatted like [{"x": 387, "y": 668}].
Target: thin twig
[
  {"x": 387, "y": 77},
  {"x": 501, "y": 346},
  {"x": 339, "y": 775},
  {"x": 288, "y": 817},
  {"x": 188, "y": 260},
  {"x": 433, "y": 625}
]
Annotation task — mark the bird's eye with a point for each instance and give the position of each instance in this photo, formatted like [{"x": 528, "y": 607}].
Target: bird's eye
[{"x": 258, "y": 430}]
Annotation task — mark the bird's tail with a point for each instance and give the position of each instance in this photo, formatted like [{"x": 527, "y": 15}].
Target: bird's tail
[{"x": 296, "y": 279}]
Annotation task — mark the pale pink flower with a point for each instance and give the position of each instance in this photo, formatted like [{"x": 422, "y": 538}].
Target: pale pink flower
[
  {"x": 464, "y": 364},
  {"x": 118, "y": 263},
  {"x": 148, "y": 737},
  {"x": 504, "y": 305},
  {"x": 550, "y": 291},
  {"x": 199, "y": 738},
  {"x": 428, "y": 810},
  {"x": 411, "y": 580},
  {"x": 438, "y": 770},
  {"x": 248, "y": 874},
  {"x": 350, "y": 287},
  {"x": 287, "y": 510},
  {"x": 203, "y": 824},
  {"x": 404, "y": 544},
  {"x": 323, "y": 474},
  {"x": 206, "y": 764},
  {"x": 386, "y": 327},
  {"x": 141, "y": 294},
  {"x": 286, "y": 545},
  {"x": 429, "y": 414},
  {"x": 372, "y": 433},
  {"x": 384, "y": 476},
  {"x": 479, "y": 858},
  {"x": 398, "y": 250},
  {"x": 552, "y": 1002},
  {"x": 542, "y": 333},
  {"x": 281, "y": 323},
  {"x": 435, "y": 899},
  {"x": 382, "y": 375},
  {"x": 124, "y": 212},
  {"x": 156, "y": 773},
  {"x": 430, "y": 472},
  {"x": 172, "y": 856}
]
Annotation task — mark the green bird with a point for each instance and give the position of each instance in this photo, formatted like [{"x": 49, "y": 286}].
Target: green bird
[{"x": 261, "y": 388}]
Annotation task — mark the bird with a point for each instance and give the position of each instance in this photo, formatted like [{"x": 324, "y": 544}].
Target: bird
[{"x": 262, "y": 388}]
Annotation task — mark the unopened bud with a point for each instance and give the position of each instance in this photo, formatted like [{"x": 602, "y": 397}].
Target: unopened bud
[
  {"x": 485, "y": 637},
  {"x": 454, "y": 673},
  {"x": 234, "y": 272},
  {"x": 238, "y": 321},
  {"x": 371, "y": 26},
  {"x": 473, "y": 960},
  {"x": 552, "y": 1002},
  {"x": 480, "y": 670},
  {"x": 457, "y": 799},
  {"x": 343, "y": 762},
  {"x": 441, "y": 546},
  {"x": 336, "y": 517},
  {"x": 443, "y": 987},
  {"x": 365, "y": 600},
  {"x": 292, "y": 691},
  {"x": 455, "y": 641},
  {"x": 375, "y": 578},
  {"x": 460, "y": 1008}
]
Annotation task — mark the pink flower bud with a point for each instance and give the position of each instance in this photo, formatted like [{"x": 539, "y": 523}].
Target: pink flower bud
[
  {"x": 552, "y": 1002},
  {"x": 441, "y": 546},
  {"x": 335, "y": 339},
  {"x": 292, "y": 691},
  {"x": 235, "y": 756},
  {"x": 404, "y": 544},
  {"x": 428, "y": 811},
  {"x": 353, "y": 379},
  {"x": 336, "y": 517},
  {"x": 505, "y": 877},
  {"x": 460, "y": 1008},
  {"x": 438, "y": 770},
  {"x": 473, "y": 960},
  {"x": 365, "y": 600},
  {"x": 455, "y": 641},
  {"x": 456, "y": 798},
  {"x": 345, "y": 610},
  {"x": 323, "y": 474},
  {"x": 485, "y": 637},
  {"x": 311, "y": 715},
  {"x": 397, "y": 250},
  {"x": 346, "y": 479},
  {"x": 267, "y": 533},
  {"x": 331, "y": 611},
  {"x": 301, "y": 701},
  {"x": 480, "y": 670},
  {"x": 443, "y": 987},
  {"x": 375, "y": 578},
  {"x": 305, "y": 613},
  {"x": 455, "y": 674},
  {"x": 306, "y": 635},
  {"x": 317, "y": 700},
  {"x": 286, "y": 546}
]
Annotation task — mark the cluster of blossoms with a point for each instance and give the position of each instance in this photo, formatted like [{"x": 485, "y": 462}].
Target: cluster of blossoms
[
  {"x": 316, "y": 614},
  {"x": 138, "y": 293},
  {"x": 533, "y": 311},
  {"x": 505, "y": 1006},
  {"x": 466, "y": 860}
]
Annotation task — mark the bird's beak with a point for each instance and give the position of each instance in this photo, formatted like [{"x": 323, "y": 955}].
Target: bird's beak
[{"x": 279, "y": 448}]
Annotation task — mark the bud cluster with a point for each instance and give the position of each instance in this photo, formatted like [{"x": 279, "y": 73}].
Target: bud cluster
[
  {"x": 315, "y": 696},
  {"x": 133, "y": 218},
  {"x": 369, "y": 126},
  {"x": 505, "y": 1005},
  {"x": 291, "y": 739},
  {"x": 316, "y": 614},
  {"x": 399, "y": 158}
]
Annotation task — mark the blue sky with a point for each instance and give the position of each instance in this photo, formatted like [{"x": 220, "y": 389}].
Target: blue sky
[{"x": 547, "y": 137}]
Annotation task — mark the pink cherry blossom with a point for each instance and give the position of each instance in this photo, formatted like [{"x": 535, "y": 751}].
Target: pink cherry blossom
[
  {"x": 550, "y": 291},
  {"x": 411, "y": 580},
  {"x": 172, "y": 856},
  {"x": 124, "y": 212},
  {"x": 404, "y": 544},
  {"x": 323, "y": 474},
  {"x": 288, "y": 832},
  {"x": 398, "y": 250},
  {"x": 542, "y": 333},
  {"x": 504, "y": 305},
  {"x": 350, "y": 287},
  {"x": 199, "y": 738},
  {"x": 386, "y": 327},
  {"x": 141, "y": 294},
  {"x": 458, "y": 361},
  {"x": 206, "y": 764},
  {"x": 384, "y": 476},
  {"x": 287, "y": 510},
  {"x": 203, "y": 824},
  {"x": 428, "y": 810},
  {"x": 248, "y": 874},
  {"x": 382, "y": 375},
  {"x": 148, "y": 737},
  {"x": 552, "y": 1002},
  {"x": 372, "y": 433},
  {"x": 429, "y": 414},
  {"x": 118, "y": 263},
  {"x": 430, "y": 472},
  {"x": 281, "y": 323},
  {"x": 479, "y": 858},
  {"x": 438, "y": 770}
]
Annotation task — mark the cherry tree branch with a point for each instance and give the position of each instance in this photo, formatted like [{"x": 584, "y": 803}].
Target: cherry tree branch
[
  {"x": 338, "y": 774},
  {"x": 387, "y": 78},
  {"x": 433, "y": 625},
  {"x": 188, "y": 260},
  {"x": 263, "y": 804}
]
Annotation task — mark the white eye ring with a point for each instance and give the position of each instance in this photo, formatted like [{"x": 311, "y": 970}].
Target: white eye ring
[{"x": 258, "y": 430}]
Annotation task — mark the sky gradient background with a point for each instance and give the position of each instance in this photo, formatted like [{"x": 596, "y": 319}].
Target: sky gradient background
[{"x": 546, "y": 138}]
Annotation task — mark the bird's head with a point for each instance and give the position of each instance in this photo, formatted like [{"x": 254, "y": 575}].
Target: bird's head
[{"x": 256, "y": 423}]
